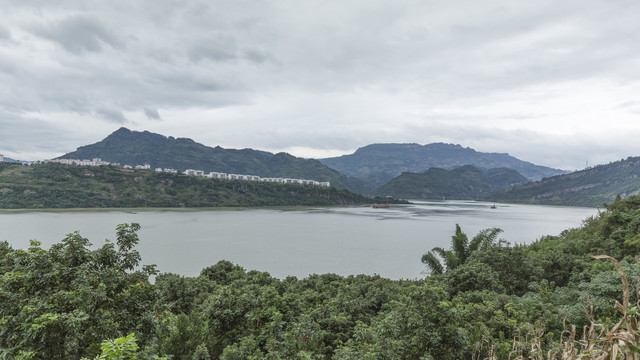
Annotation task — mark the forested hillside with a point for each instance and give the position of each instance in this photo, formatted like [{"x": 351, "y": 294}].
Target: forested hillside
[
  {"x": 590, "y": 187},
  {"x": 136, "y": 148},
  {"x": 465, "y": 182},
  {"x": 54, "y": 185},
  {"x": 485, "y": 299}
]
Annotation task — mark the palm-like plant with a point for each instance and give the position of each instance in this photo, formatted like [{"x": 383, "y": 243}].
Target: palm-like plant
[{"x": 461, "y": 250}]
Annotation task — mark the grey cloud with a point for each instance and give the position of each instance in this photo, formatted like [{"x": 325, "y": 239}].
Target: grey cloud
[
  {"x": 5, "y": 34},
  {"x": 628, "y": 104},
  {"x": 78, "y": 34},
  {"x": 257, "y": 56},
  {"x": 15, "y": 138},
  {"x": 203, "y": 51},
  {"x": 206, "y": 55},
  {"x": 111, "y": 115},
  {"x": 152, "y": 114}
]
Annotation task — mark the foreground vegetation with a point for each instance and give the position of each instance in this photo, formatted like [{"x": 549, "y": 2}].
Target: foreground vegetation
[
  {"x": 485, "y": 299},
  {"x": 65, "y": 186}
]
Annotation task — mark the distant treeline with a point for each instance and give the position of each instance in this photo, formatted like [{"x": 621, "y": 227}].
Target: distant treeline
[{"x": 54, "y": 185}]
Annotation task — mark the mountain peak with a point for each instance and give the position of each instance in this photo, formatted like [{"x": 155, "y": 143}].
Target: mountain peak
[
  {"x": 135, "y": 148},
  {"x": 122, "y": 130}
]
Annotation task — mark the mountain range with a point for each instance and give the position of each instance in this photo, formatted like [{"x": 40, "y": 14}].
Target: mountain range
[
  {"x": 431, "y": 171},
  {"x": 378, "y": 163}
]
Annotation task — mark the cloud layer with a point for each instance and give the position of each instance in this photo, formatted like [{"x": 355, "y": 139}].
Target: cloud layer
[{"x": 552, "y": 83}]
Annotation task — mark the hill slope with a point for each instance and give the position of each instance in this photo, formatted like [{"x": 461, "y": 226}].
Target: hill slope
[
  {"x": 132, "y": 147},
  {"x": 54, "y": 185},
  {"x": 589, "y": 187},
  {"x": 465, "y": 182},
  {"x": 380, "y": 163}
]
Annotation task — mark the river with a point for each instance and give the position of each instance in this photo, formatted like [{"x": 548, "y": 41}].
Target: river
[{"x": 295, "y": 241}]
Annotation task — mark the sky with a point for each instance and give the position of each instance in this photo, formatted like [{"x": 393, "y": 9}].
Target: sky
[{"x": 556, "y": 83}]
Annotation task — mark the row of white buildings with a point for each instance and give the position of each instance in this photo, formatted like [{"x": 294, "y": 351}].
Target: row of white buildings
[
  {"x": 218, "y": 175},
  {"x": 190, "y": 172},
  {"x": 92, "y": 162}
]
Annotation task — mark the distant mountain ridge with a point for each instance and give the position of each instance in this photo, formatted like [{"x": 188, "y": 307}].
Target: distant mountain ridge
[
  {"x": 590, "y": 187},
  {"x": 464, "y": 182},
  {"x": 379, "y": 163},
  {"x": 133, "y": 147}
]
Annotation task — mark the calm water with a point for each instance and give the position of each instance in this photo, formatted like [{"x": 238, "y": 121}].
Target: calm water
[{"x": 299, "y": 242}]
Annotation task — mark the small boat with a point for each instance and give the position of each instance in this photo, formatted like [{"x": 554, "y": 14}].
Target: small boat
[
  {"x": 494, "y": 206},
  {"x": 380, "y": 206}
]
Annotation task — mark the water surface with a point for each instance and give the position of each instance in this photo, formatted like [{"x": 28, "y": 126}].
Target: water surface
[{"x": 296, "y": 241}]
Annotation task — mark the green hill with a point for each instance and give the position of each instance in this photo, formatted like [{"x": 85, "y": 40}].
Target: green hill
[
  {"x": 465, "y": 182},
  {"x": 379, "y": 163},
  {"x": 133, "y": 147},
  {"x": 589, "y": 187},
  {"x": 55, "y": 185}
]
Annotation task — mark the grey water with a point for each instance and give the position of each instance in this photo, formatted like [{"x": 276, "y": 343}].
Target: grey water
[{"x": 295, "y": 241}]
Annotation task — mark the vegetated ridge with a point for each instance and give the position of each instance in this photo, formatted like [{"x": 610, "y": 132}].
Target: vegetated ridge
[
  {"x": 379, "y": 163},
  {"x": 133, "y": 147},
  {"x": 590, "y": 187},
  {"x": 53, "y": 185},
  {"x": 464, "y": 182}
]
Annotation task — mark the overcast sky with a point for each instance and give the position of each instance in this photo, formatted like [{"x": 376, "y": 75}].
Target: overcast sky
[{"x": 556, "y": 83}]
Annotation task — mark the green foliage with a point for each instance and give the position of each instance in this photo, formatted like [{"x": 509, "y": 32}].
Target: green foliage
[
  {"x": 60, "y": 303},
  {"x": 63, "y": 186},
  {"x": 119, "y": 349},
  {"x": 464, "y": 182},
  {"x": 460, "y": 251}
]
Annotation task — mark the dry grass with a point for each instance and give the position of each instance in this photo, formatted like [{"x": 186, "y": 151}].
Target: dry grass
[{"x": 621, "y": 342}]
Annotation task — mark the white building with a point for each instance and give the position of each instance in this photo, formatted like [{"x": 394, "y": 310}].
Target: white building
[
  {"x": 217, "y": 175},
  {"x": 1, "y": 158}
]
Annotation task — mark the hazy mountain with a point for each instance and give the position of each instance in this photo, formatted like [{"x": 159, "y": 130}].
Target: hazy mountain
[
  {"x": 589, "y": 187},
  {"x": 465, "y": 182},
  {"x": 132, "y": 147},
  {"x": 379, "y": 163}
]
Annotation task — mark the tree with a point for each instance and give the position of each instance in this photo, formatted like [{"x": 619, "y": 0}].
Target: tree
[
  {"x": 62, "y": 302},
  {"x": 461, "y": 250}
]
